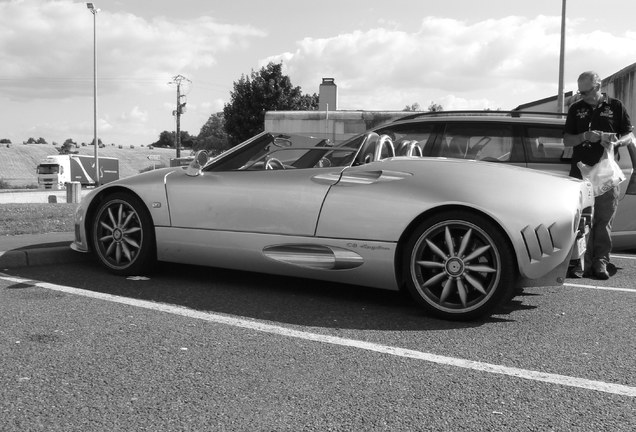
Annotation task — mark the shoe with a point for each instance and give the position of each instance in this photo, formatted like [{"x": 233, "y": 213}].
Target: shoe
[
  {"x": 599, "y": 269},
  {"x": 575, "y": 269},
  {"x": 575, "y": 274}
]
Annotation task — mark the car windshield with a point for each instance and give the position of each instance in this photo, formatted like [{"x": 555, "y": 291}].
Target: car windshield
[{"x": 284, "y": 151}]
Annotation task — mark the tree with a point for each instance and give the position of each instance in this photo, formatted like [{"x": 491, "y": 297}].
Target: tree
[
  {"x": 187, "y": 140},
  {"x": 413, "y": 107},
  {"x": 433, "y": 107},
  {"x": 265, "y": 90},
  {"x": 32, "y": 140},
  {"x": 99, "y": 143},
  {"x": 5, "y": 141},
  {"x": 167, "y": 139},
  {"x": 67, "y": 146},
  {"x": 212, "y": 136}
]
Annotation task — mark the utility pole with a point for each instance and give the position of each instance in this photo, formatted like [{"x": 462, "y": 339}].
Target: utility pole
[
  {"x": 560, "y": 96},
  {"x": 180, "y": 110},
  {"x": 93, "y": 10}
]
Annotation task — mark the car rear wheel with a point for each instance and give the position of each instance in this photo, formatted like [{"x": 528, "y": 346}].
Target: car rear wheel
[
  {"x": 123, "y": 235},
  {"x": 459, "y": 266}
]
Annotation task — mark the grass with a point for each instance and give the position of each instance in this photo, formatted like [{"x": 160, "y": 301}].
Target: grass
[{"x": 36, "y": 218}]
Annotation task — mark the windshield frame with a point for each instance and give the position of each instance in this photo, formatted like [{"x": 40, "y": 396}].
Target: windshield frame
[{"x": 252, "y": 154}]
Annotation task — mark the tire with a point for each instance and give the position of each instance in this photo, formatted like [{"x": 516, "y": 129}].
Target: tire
[
  {"x": 465, "y": 279},
  {"x": 123, "y": 235}
]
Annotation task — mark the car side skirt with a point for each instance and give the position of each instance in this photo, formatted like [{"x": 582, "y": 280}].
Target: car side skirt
[{"x": 357, "y": 262}]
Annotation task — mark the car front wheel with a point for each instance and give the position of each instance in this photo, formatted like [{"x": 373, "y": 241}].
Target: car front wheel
[
  {"x": 123, "y": 235},
  {"x": 459, "y": 266}
]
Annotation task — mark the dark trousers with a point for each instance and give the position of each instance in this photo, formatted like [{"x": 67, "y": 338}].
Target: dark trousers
[{"x": 599, "y": 243}]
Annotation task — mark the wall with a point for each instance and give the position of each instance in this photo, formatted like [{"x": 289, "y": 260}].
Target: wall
[{"x": 337, "y": 126}]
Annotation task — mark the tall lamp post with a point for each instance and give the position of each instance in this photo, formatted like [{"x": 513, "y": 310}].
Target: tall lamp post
[
  {"x": 560, "y": 96},
  {"x": 94, "y": 11}
]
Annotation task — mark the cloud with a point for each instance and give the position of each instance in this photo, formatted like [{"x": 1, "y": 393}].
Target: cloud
[
  {"x": 135, "y": 116},
  {"x": 494, "y": 61},
  {"x": 46, "y": 48}
]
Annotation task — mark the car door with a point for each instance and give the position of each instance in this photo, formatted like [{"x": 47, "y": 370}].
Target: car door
[{"x": 283, "y": 201}]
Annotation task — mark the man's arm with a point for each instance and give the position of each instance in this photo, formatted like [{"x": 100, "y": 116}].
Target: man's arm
[
  {"x": 571, "y": 140},
  {"x": 626, "y": 140}
]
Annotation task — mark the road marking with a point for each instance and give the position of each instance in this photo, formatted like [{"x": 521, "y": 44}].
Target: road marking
[
  {"x": 627, "y": 257},
  {"x": 603, "y": 288},
  {"x": 563, "y": 380}
]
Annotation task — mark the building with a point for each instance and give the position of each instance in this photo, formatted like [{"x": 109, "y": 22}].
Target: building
[
  {"x": 337, "y": 126},
  {"x": 621, "y": 86},
  {"x": 548, "y": 104},
  {"x": 328, "y": 122}
]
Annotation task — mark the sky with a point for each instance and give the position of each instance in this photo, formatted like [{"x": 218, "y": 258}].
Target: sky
[{"x": 383, "y": 55}]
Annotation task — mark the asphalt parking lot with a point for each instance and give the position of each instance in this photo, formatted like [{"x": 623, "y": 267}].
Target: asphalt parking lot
[{"x": 192, "y": 348}]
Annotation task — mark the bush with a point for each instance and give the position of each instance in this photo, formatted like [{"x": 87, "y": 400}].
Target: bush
[{"x": 6, "y": 185}]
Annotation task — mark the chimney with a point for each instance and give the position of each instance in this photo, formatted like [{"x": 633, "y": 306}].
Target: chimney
[{"x": 328, "y": 95}]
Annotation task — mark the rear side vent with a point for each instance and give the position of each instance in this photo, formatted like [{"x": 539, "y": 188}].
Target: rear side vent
[{"x": 539, "y": 241}]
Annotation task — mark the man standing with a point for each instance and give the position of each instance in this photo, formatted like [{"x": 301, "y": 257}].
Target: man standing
[{"x": 593, "y": 123}]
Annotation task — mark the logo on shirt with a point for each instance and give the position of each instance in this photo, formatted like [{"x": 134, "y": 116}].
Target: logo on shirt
[
  {"x": 582, "y": 113},
  {"x": 607, "y": 112}
]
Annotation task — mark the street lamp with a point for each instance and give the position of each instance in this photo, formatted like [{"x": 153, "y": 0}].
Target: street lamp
[
  {"x": 560, "y": 95},
  {"x": 94, "y": 11}
]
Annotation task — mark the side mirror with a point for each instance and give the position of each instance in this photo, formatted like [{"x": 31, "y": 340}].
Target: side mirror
[{"x": 199, "y": 161}]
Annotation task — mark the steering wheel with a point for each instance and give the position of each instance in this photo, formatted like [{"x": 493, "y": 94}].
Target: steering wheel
[{"x": 274, "y": 164}]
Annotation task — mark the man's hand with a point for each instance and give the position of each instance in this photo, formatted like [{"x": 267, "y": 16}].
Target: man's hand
[
  {"x": 608, "y": 140},
  {"x": 592, "y": 136}
]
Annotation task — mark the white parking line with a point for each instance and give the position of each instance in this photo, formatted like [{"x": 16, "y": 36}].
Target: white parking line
[
  {"x": 562, "y": 380},
  {"x": 603, "y": 288},
  {"x": 627, "y": 257}
]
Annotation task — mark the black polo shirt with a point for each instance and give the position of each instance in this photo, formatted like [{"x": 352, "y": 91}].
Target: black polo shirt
[{"x": 608, "y": 116}]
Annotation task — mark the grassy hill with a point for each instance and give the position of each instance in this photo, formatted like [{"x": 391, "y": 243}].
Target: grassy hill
[{"x": 19, "y": 161}]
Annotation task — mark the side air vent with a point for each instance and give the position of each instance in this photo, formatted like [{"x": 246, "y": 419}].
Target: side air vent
[
  {"x": 314, "y": 256},
  {"x": 539, "y": 241}
]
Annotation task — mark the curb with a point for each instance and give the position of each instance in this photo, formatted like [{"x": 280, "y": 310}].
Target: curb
[{"x": 39, "y": 256}]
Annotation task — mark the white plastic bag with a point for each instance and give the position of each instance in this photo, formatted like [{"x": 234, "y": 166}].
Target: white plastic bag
[{"x": 604, "y": 175}]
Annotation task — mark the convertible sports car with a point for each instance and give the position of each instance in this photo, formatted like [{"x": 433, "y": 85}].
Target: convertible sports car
[{"x": 461, "y": 236}]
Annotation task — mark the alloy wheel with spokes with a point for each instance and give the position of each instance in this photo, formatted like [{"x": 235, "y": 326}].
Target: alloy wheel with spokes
[
  {"x": 459, "y": 266},
  {"x": 123, "y": 237}
]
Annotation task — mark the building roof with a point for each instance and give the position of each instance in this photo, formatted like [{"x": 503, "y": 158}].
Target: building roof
[{"x": 541, "y": 101}]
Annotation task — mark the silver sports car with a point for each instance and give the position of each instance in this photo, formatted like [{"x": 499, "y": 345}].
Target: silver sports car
[{"x": 461, "y": 236}]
